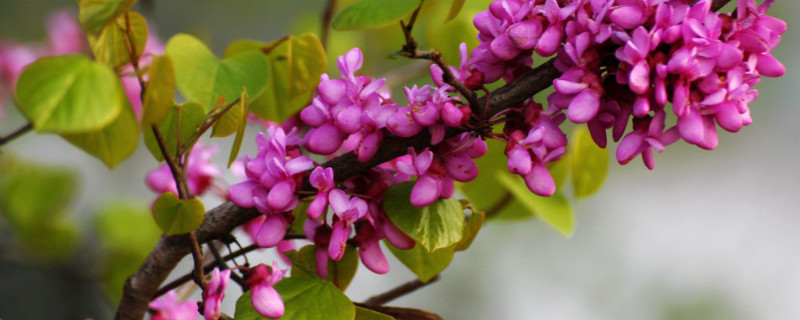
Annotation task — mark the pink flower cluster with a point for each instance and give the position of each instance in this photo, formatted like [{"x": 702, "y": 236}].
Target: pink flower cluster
[
  {"x": 200, "y": 172},
  {"x": 630, "y": 58}
]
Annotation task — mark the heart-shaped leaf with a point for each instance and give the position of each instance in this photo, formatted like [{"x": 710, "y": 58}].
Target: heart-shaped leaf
[
  {"x": 340, "y": 273},
  {"x": 471, "y": 230},
  {"x": 111, "y": 45},
  {"x": 191, "y": 115},
  {"x": 296, "y": 64},
  {"x": 94, "y": 14},
  {"x": 555, "y": 210},
  {"x": 303, "y": 298},
  {"x": 424, "y": 264},
  {"x": 160, "y": 93},
  {"x": 229, "y": 122},
  {"x": 366, "y": 14},
  {"x": 244, "y": 102},
  {"x": 437, "y": 226},
  {"x": 588, "y": 163},
  {"x": 112, "y": 144},
  {"x": 69, "y": 94},
  {"x": 202, "y": 78},
  {"x": 176, "y": 216}
]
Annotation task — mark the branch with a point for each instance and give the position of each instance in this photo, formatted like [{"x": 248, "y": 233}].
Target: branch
[
  {"x": 16, "y": 134},
  {"x": 140, "y": 288},
  {"x": 402, "y": 313},
  {"x": 399, "y": 291}
]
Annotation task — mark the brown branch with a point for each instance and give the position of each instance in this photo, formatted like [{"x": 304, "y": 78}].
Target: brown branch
[
  {"x": 327, "y": 16},
  {"x": 142, "y": 286},
  {"x": 399, "y": 291},
  {"x": 500, "y": 205}
]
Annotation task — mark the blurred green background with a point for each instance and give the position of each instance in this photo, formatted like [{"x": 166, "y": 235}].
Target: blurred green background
[{"x": 706, "y": 235}]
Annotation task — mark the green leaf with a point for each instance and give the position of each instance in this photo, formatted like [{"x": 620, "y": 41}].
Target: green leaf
[
  {"x": 424, "y": 264},
  {"x": 176, "y": 216},
  {"x": 471, "y": 230},
  {"x": 112, "y": 144},
  {"x": 367, "y": 314},
  {"x": 202, "y": 78},
  {"x": 32, "y": 201},
  {"x": 487, "y": 198},
  {"x": 159, "y": 95},
  {"x": 127, "y": 234},
  {"x": 555, "y": 210},
  {"x": 111, "y": 46},
  {"x": 588, "y": 163},
  {"x": 191, "y": 115},
  {"x": 237, "y": 142},
  {"x": 437, "y": 226},
  {"x": 340, "y": 273},
  {"x": 94, "y": 14},
  {"x": 367, "y": 14},
  {"x": 296, "y": 64},
  {"x": 69, "y": 94},
  {"x": 455, "y": 8},
  {"x": 229, "y": 122},
  {"x": 304, "y": 298}
]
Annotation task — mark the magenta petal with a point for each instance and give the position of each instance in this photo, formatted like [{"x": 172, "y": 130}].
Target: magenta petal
[
  {"x": 584, "y": 106},
  {"x": 396, "y": 237},
  {"x": 641, "y": 106},
  {"x": 503, "y": 48},
  {"x": 425, "y": 191},
  {"x": 568, "y": 87},
  {"x": 690, "y": 127},
  {"x": 728, "y": 117},
  {"x": 461, "y": 167},
  {"x": 272, "y": 231},
  {"x": 525, "y": 34},
  {"x": 550, "y": 40},
  {"x": 630, "y": 147},
  {"x": 242, "y": 194},
  {"x": 451, "y": 115},
  {"x": 728, "y": 57},
  {"x": 349, "y": 119},
  {"x": 322, "y": 262},
  {"x": 332, "y": 91},
  {"x": 281, "y": 195},
  {"x": 627, "y": 17},
  {"x": 324, "y": 140},
  {"x": 519, "y": 160},
  {"x": 639, "y": 78},
  {"x": 372, "y": 256},
  {"x": 317, "y": 206},
  {"x": 267, "y": 301},
  {"x": 769, "y": 66},
  {"x": 402, "y": 124},
  {"x": 338, "y": 240},
  {"x": 539, "y": 180},
  {"x": 339, "y": 201},
  {"x": 299, "y": 164}
]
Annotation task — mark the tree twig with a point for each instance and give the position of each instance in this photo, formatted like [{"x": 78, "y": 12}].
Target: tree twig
[
  {"x": 16, "y": 134},
  {"x": 327, "y": 16},
  {"x": 399, "y": 291}
]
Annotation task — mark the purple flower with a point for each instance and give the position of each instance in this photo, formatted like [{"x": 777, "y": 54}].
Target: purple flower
[
  {"x": 322, "y": 179},
  {"x": 649, "y": 135},
  {"x": 167, "y": 307},
  {"x": 214, "y": 293},
  {"x": 264, "y": 297},
  {"x": 200, "y": 172},
  {"x": 347, "y": 213}
]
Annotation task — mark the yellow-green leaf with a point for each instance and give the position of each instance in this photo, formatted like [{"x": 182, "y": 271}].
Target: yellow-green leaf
[
  {"x": 340, "y": 273},
  {"x": 554, "y": 210},
  {"x": 176, "y": 216},
  {"x": 160, "y": 93},
  {"x": 588, "y": 163},
  {"x": 424, "y": 264},
  {"x": 455, "y": 8},
  {"x": 94, "y": 14},
  {"x": 471, "y": 230},
  {"x": 69, "y": 94},
  {"x": 237, "y": 142},
  {"x": 229, "y": 122},
  {"x": 111, "y": 45},
  {"x": 191, "y": 115},
  {"x": 112, "y": 144},
  {"x": 367, "y": 314},
  {"x": 367, "y": 14}
]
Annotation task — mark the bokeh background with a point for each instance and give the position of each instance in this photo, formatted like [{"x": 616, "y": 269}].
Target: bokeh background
[{"x": 706, "y": 235}]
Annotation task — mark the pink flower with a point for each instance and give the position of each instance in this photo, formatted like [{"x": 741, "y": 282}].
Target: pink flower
[
  {"x": 167, "y": 307},
  {"x": 347, "y": 213},
  {"x": 200, "y": 172},
  {"x": 265, "y": 299},
  {"x": 214, "y": 292}
]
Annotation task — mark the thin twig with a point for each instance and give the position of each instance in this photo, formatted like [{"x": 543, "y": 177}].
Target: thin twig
[
  {"x": 327, "y": 16},
  {"x": 16, "y": 134},
  {"x": 173, "y": 167},
  {"x": 197, "y": 256},
  {"x": 223, "y": 266},
  {"x": 500, "y": 205},
  {"x": 399, "y": 291}
]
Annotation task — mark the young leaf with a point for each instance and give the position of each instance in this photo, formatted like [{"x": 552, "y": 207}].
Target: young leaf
[
  {"x": 455, "y": 8},
  {"x": 69, "y": 94},
  {"x": 244, "y": 102},
  {"x": 176, "y": 216},
  {"x": 588, "y": 163},
  {"x": 471, "y": 230},
  {"x": 555, "y": 210},
  {"x": 487, "y": 198},
  {"x": 434, "y": 227},
  {"x": 111, "y": 46},
  {"x": 94, "y": 14},
  {"x": 340, "y": 273},
  {"x": 304, "y": 298},
  {"x": 202, "y": 78},
  {"x": 424, "y": 264},
  {"x": 229, "y": 122},
  {"x": 367, "y": 314},
  {"x": 112, "y": 144},
  {"x": 191, "y": 115},
  {"x": 367, "y": 14},
  {"x": 297, "y": 63},
  {"x": 160, "y": 93}
]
